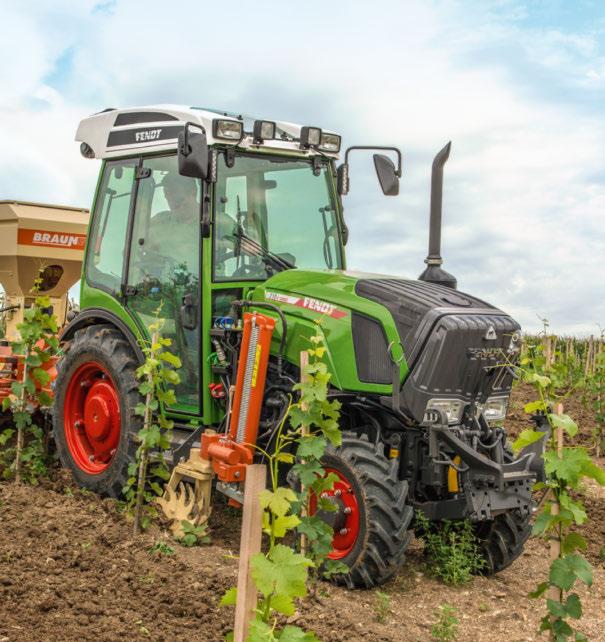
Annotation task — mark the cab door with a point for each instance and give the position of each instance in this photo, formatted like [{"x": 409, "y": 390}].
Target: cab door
[{"x": 164, "y": 265}]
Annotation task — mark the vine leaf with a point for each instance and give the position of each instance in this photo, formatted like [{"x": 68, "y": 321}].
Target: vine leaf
[
  {"x": 565, "y": 422},
  {"x": 526, "y": 438},
  {"x": 281, "y": 572},
  {"x": 278, "y": 502},
  {"x": 564, "y": 571},
  {"x": 296, "y": 634}
]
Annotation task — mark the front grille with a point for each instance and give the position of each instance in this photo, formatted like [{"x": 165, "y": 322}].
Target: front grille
[
  {"x": 371, "y": 350},
  {"x": 449, "y": 347},
  {"x": 458, "y": 361}
]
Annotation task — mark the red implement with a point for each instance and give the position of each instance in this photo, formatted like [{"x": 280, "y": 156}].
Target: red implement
[
  {"x": 232, "y": 451},
  {"x": 11, "y": 369}
]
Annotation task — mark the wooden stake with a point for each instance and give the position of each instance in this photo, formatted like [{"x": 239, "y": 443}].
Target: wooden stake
[
  {"x": 250, "y": 542},
  {"x": 547, "y": 356},
  {"x": 554, "y": 592},
  {"x": 304, "y": 361},
  {"x": 142, "y": 474},
  {"x": 589, "y": 349}
]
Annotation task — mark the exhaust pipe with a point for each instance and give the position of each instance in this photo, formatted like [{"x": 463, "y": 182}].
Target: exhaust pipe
[{"x": 434, "y": 273}]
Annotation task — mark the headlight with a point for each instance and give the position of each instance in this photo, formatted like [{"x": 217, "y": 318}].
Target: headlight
[
  {"x": 453, "y": 408},
  {"x": 227, "y": 129},
  {"x": 263, "y": 130},
  {"x": 310, "y": 137},
  {"x": 495, "y": 408},
  {"x": 330, "y": 143}
]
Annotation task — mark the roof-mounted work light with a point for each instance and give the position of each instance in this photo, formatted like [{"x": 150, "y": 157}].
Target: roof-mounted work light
[
  {"x": 263, "y": 130},
  {"x": 329, "y": 143},
  {"x": 310, "y": 137},
  {"x": 232, "y": 130}
]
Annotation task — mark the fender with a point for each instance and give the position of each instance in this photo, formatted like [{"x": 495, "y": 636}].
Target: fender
[{"x": 94, "y": 315}]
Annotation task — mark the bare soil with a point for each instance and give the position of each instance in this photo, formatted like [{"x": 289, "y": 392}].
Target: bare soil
[{"x": 70, "y": 570}]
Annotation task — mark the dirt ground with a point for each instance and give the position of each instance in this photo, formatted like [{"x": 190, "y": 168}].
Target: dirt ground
[{"x": 71, "y": 570}]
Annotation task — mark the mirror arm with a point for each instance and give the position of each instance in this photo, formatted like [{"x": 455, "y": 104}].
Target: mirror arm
[{"x": 374, "y": 148}]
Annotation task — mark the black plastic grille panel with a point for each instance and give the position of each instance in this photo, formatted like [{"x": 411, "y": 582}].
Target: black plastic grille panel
[{"x": 371, "y": 350}]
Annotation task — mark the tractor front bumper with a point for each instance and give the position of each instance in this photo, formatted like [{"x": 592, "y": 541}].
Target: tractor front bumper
[{"x": 484, "y": 488}]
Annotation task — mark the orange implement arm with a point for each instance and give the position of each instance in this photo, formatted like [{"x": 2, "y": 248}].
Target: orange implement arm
[{"x": 232, "y": 451}]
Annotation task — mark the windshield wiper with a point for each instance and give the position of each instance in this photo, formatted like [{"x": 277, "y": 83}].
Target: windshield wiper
[{"x": 254, "y": 247}]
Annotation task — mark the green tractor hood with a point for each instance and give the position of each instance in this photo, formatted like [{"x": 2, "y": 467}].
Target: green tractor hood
[{"x": 379, "y": 329}]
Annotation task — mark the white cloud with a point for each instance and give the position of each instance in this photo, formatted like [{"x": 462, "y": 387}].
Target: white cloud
[{"x": 525, "y": 185}]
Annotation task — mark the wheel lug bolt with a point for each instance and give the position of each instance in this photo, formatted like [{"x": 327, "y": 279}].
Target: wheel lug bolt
[
  {"x": 324, "y": 495},
  {"x": 84, "y": 384},
  {"x": 79, "y": 424},
  {"x": 347, "y": 511},
  {"x": 337, "y": 493},
  {"x": 91, "y": 458},
  {"x": 343, "y": 531}
]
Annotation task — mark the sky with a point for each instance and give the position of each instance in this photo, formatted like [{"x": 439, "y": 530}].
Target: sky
[{"x": 518, "y": 87}]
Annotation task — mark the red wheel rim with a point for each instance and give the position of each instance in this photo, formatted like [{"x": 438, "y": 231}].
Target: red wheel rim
[
  {"x": 91, "y": 418},
  {"x": 345, "y": 520}
]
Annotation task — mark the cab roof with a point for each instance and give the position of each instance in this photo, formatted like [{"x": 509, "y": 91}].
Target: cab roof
[{"x": 121, "y": 132}]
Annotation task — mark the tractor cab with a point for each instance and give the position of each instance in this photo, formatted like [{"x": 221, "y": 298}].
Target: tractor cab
[{"x": 194, "y": 208}]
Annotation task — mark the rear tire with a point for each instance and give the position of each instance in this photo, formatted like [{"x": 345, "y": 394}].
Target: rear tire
[
  {"x": 383, "y": 518},
  {"x": 96, "y": 392},
  {"x": 502, "y": 540}
]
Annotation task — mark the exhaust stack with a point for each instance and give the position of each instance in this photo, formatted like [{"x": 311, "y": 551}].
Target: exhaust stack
[{"x": 434, "y": 273}]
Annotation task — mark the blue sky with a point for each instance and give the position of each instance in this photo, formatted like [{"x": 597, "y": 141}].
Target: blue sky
[{"x": 519, "y": 87}]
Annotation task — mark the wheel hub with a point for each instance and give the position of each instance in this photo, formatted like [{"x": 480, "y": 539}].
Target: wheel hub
[
  {"x": 345, "y": 519},
  {"x": 99, "y": 411},
  {"x": 92, "y": 418}
]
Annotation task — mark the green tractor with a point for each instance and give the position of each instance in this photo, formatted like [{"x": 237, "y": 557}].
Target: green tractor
[{"x": 200, "y": 211}]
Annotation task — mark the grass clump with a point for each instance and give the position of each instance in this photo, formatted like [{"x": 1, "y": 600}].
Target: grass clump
[{"x": 452, "y": 548}]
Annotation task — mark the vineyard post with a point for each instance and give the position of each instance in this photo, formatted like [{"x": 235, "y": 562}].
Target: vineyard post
[
  {"x": 547, "y": 351},
  {"x": 555, "y": 540},
  {"x": 147, "y": 419},
  {"x": 250, "y": 545},
  {"x": 589, "y": 350},
  {"x": 304, "y": 362},
  {"x": 23, "y": 403}
]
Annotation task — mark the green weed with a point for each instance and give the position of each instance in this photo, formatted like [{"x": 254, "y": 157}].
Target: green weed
[
  {"x": 162, "y": 548},
  {"x": 382, "y": 606},
  {"x": 193, "y": 535},
  {"x": 452, "y": 548},
  {"x": 445, "y": 628}
]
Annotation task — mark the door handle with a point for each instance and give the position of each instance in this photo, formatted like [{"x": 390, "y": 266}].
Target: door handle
[{"x": 189, "y": 312}]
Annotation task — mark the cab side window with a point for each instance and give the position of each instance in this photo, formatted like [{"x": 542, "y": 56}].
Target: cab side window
[{"x": 107, "y": 242}]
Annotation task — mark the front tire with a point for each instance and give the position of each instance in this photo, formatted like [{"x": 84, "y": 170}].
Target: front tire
[
  {"x": 372, "y": 536},
  {"x": 96, "y": 392},
  {"x": 502, "y": 539}
]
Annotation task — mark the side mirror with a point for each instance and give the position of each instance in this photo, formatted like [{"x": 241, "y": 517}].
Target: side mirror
[
  {"x": 387, "y": 175},
  {"x": 193, "y": 152}
]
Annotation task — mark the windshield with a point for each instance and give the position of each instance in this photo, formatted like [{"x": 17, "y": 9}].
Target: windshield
[{"x": 272, "y": 214}]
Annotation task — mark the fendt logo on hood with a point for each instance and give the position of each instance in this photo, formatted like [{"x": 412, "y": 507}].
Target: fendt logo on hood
[
  {"x": 51, "y": 239},
  {"x": 323, "y": 307}
]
